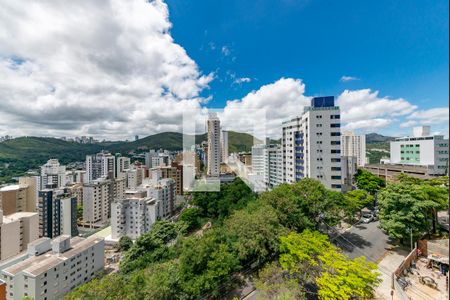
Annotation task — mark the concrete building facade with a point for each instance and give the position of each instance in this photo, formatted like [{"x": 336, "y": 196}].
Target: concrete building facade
[
  {"x": 311, "y": 144},
  {"x": 354, "y": 145},
  {"x": 16, "y": 231},
  {"x": 51, "y": 268},
  {"x": 53, "y": 175},
  {"x": 214, "y": 151}
]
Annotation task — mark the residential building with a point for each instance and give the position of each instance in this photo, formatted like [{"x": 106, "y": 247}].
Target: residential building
[
  {"x": 355, "y": 146},
  {"x": 148, "y": 158},
  {"x": 102, "y": 164},
  {"x": 53, "y": 174},
  {"x": 164, "y": 192},
  {"x": 134, "y": 216},
  {"x": 214, "y": 151},
  {"x": 98, "y": 196},
  {"x": 421, "y": 149},
  {"x": 134, "y": 177},
  {"x": 16, "y": 231},
  {"x": 175, "y": 171},
  {"x": 349, "y": 169},
  {"x": 122, "y": 165},
  {"x": 274, "y": 166},
  {"x": 19, "y": 197},
  {"x": 51, "y": 268},
  {"x": 57, "y": 213},
  {"x": 259, "y": 160},
  {"x": 224, "y": 145},
  {"x": 311, "y": 144}
]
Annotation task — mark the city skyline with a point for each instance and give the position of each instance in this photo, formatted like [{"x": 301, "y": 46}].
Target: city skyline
[{"x": 139, "y": 77}]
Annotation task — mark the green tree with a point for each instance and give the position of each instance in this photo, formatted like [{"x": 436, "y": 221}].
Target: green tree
[
  {"x": 79, "y": 212},
  {"x": 368, "y": 181},
  {"x": 311, "y": 258},
  {"x": 253, "y": 233},
  {"x": 406, "y": 207},
  {"x": 125, "y": 243},
  {"x": 356, "y": 200},
  {"x": 191, "y": 217}
]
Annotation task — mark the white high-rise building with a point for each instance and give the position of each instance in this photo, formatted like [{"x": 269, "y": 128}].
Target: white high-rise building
[
  {"x": 53, "y": 175},
  {"x": 354, "y": 145},
  {"x": 259, "y": 160},
  {"x": 224, "y": 145},
  {"x": 422, "y": 149},
  {"x": 51, "y": 268},
  {"x": 311, "y": 144},
  {"x": 134, "y": 216},
  {"x": 122, "y": 165},
  {"x": 163, "y": 191},
  {"x": 16, "y": 231},
  {"x": 134, "y": 177},
  {"x": 149, "y": 158},
  {"x": 214, "y": 151},
  {"x": 274, "y": 166},
  {"x": 102, "y": 164}
]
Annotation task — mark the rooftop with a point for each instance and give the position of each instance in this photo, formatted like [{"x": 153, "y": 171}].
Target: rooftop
[
  {"x": 10, "y": 188},
  {"x": 36, "y": 265}
]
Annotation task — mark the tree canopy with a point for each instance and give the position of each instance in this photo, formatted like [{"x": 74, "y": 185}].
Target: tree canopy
[{"x": 368, "y": 181}]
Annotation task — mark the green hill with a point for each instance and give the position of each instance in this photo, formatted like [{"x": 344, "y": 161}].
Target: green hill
[{"x": 21, "y": 154}]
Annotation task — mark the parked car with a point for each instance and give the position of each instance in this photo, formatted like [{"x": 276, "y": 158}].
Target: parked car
[{"x": 367, "y": 218}]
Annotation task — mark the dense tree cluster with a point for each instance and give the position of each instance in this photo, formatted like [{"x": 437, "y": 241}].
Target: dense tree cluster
[{"x": 173, "y": 261}]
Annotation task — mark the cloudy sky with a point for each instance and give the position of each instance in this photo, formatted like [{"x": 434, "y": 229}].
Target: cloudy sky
[{"x": 113, "y": 69}]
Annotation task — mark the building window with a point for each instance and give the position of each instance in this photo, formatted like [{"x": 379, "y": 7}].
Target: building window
[
  {"x": 335, "y": 134},
  {"x": 335, "y": 125}
]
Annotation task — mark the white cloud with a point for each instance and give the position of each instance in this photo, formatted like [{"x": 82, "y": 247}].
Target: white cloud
[
  {"x": 348, "y": 78},
  {"x": 107, "y": 68},
  {"x": 407, "y": 124},
  {"x": 363, "y": 105},
  {"x": 280, "y": 100},
  {"x": 242, "y": 80},
  {"x": 437, "y": 115},
  {"x": 368, "y": 125}
]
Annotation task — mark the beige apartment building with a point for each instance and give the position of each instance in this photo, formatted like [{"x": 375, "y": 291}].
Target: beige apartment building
[
  {"x": 19, "y": 197},
  {"x": 16, "y": 231}
]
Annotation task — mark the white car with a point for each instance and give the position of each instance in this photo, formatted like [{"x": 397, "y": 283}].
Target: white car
[{"x": 367, "y": 218}]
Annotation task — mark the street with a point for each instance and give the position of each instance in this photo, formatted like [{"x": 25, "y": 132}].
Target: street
[{"x": 364, "y": 240}]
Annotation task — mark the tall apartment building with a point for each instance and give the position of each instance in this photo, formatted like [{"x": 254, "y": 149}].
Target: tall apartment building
[
  {"x": 224, "y": 145},
  {"x": 122, "y": 165},
  {"x": 274, "y": 166},
  {"x": 214, "y": 151},
  {"x": 349, "y": 169},
  {"x": 134, "y": 177},
  {"x": 98, "y": 196},
  {"x": 16, "y": 231},
  {"x": 148, "y": 158},
  {"x": 57, "y": 213},
  {"x": 134, "y": 216},
  {"x": 51, "y": 268},
  {"x": 102, "y": 164},
  {"x": 259, "y": 160},
  {"x": 354, "y": 145},
  {"x": 422, "y": 149},
  {"x": 53, "y": 175},
  {"x": 311, "y": 144},
  {"x": 164, "y": 192}
]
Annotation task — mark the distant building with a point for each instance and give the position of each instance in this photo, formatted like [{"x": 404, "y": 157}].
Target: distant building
[
  {"x": 122, "y": 165},
  {"x": 311, "y": 144},
  {"x": 214, "y": 151},
  {"x": 102, "y": 164},
  {"x": 16, "y": 231},
  {"x": 349, "y": 169},
  {"x": 354, "y": 145},
  {"x": 422, "y": 149},
  {"x": 175, "y": 171},
  {"x": 53, "y": 175},
  {"x": 51, "y": 268}
]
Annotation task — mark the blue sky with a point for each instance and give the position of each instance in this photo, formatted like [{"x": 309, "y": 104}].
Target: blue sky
[
  {"x": 397, "y": 47},
  {"x": 115, "y": 69}
]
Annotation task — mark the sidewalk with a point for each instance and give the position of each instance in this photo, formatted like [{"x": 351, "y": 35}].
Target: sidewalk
[{"x": 387, "y": 266}]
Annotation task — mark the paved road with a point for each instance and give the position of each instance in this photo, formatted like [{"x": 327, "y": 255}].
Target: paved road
[{"x": 364, "y": 240}]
